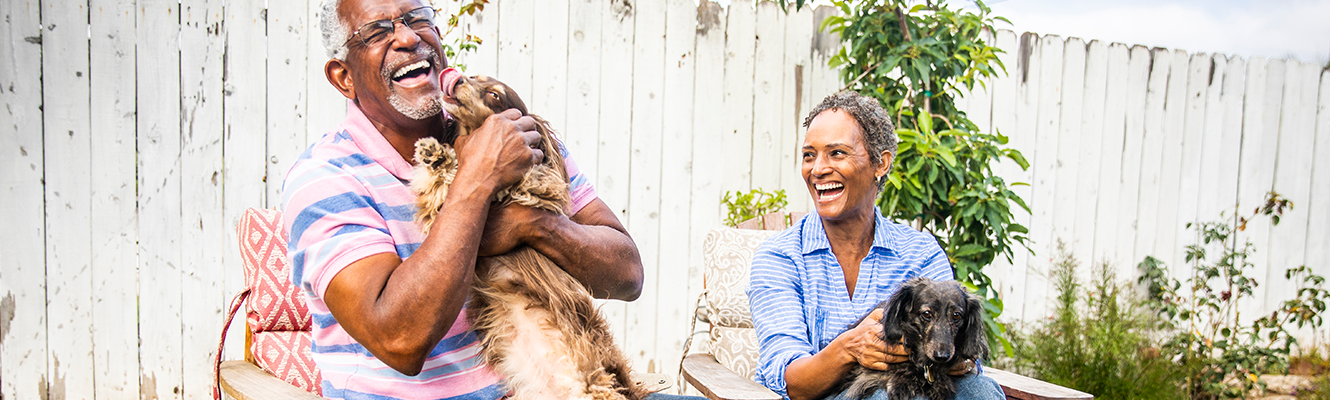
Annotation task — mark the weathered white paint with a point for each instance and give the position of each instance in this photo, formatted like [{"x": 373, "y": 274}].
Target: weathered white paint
[
  {"x": 202, "y": 222},
  {"x": 736, "y": 137},
  {"x": 65, "y": 120},
  {"x": 644, "y": 179},
  {"x": 159, "y": 201},
  {"x": 663, "y": 111},
  {"x": 676, "y": 272},
  {"x": 114, "y": 319},
  {"x": 244, "y": 118}
]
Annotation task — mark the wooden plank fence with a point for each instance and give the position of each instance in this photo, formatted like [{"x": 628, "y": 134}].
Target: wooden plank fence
[{"x": 135, "y": 134}]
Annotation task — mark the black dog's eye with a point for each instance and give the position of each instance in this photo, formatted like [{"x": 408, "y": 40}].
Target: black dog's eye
[
  {"x": 494, "y": 95},
  {"x": 955, "y": 315},
  {"x": 928, "y": 315}
]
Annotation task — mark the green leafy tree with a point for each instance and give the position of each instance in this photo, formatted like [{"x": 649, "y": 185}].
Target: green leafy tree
[{"x": 916, "y": 60}]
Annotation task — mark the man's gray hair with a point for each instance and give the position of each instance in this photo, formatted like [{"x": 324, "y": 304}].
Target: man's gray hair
[{"x": 335, "y": 30}]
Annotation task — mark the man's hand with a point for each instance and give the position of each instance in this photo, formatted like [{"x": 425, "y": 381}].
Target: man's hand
[
  {"x": 501, "y": 150},
  {"x": 510, "y": 226}
]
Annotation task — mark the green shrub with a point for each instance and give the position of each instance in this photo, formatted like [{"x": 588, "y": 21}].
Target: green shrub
[
  {"x": 757, "y": 202},
  {"x": 1222, "y": 355},
  {"x": 1098, "y": 340}
]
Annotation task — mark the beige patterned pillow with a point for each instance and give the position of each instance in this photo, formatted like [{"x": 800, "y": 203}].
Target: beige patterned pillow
[{"x": 728, "y": 254}]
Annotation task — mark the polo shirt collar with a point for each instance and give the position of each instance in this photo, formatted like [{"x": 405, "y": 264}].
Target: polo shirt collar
[
  {"x": 815, "y": 235},
  {"x": 372, "y": 143}
]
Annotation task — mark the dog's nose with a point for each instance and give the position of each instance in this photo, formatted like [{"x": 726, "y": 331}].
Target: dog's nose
[{"x": 941, "y": 355}]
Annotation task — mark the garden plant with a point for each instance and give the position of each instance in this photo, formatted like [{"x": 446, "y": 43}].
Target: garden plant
[
  {"x": 1222, "y": 353},
  {"x": 916, "y": 60},
  {"x": 1099, "y": 339}
]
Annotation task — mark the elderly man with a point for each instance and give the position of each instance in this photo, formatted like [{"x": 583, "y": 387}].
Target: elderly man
[{"x": 388, "y": 300}]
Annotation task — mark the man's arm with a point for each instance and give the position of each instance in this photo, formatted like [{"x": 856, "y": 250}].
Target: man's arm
[
  {"x": 400, "y": 309},
  {"x": 592, "y": 245}
]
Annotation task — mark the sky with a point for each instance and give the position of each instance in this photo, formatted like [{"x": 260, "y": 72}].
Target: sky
[{"x": 1273, "y": 29}]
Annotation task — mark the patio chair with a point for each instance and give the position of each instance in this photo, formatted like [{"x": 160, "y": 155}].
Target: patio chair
[
  {"x": 277, "y": 363},
  {"x": 727, "y": 371}
]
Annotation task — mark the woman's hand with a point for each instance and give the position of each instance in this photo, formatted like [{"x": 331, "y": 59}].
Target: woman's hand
[{"x": 865, "y": 346}]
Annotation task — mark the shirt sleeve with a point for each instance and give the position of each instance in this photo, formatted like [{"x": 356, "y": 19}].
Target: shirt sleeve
[
  {"x": 579, "y": 183},
  {"x": 936, "y": 265},
  {"x": 331, "y": 222},
  {"x": 775, "y": 298}
]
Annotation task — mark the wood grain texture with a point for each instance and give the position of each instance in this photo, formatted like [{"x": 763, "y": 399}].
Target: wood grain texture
[
  {"x": 676, "y": 271},
  {"x": 717, "y": 383},
  {"x": 644, "y": 180},
  {"x": 244, "y": 141},
  {"x": 202, "y": 222},
  {"x": 768, "y": 91},
  {"x": 705, "y": 185},
  {"x": 244, "y": 381},
  {"x": 159, "y": 200},
  {"x": 115, "y": 230},
  {"x": 66, "y": 120},
  {"x": 736, "y": 139},
  {"x": 1090, "y": 136},
  {"x": 23, "y": 357}
]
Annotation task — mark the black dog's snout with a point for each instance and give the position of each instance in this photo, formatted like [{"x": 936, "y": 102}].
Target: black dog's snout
[{"x": 941, "y": 355}]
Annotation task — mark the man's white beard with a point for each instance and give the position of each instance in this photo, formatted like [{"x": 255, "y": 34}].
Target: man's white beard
[{"x": 430, "y": 107}]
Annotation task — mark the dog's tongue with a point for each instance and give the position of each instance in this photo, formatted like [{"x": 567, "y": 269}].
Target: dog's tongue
[{"x": 448, "y": 79}]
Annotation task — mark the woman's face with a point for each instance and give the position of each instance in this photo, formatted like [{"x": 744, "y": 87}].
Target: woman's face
[{"x": 837, "y": 169}]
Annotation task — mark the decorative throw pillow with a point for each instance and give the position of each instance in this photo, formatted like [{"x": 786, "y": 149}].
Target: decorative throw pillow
[
  {"x": 276, "y": 311},
  {"x": 728, "y": 254}
]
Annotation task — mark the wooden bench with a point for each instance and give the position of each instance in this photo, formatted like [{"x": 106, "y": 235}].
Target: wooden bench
[{"x": 726, "y": 371}]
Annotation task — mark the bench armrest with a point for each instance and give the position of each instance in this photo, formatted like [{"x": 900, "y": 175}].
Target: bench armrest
[
  {"x": 717, "y": 383},
  {"x": 1026, "y": 388},
  {"x": 244, "y": 381}
]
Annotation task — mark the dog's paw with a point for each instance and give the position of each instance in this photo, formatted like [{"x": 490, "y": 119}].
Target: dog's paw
[{"x": 428, "y": 151}]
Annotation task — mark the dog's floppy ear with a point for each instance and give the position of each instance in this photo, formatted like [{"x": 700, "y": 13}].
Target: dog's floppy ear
[
  {"x": 970, "y": 339},
  {"x": 897, "y": 311}
]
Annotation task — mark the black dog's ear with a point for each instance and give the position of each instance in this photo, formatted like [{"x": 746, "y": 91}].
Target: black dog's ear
[
  {"x": 896, "y": 311},
  {"x": 971, "y": 342}
]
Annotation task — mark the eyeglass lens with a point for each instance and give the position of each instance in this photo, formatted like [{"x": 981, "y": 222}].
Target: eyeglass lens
[{"x": 376, "y": 31}]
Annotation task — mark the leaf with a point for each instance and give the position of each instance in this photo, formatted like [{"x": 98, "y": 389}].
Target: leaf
[
  {"x": 969, "y": 250},
  {"x": 947, "y": 155}
]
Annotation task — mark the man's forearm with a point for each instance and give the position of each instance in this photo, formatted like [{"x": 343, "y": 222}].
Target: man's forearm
[{"x": 603, "y": 258}]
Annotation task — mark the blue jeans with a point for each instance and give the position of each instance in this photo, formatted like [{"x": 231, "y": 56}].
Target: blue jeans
[{"x": 970, "y": 387}]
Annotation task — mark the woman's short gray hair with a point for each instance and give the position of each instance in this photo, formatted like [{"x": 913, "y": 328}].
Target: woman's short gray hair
[
  {"x": 879, "y": 133},
  {"x": 335, "y": 30}
]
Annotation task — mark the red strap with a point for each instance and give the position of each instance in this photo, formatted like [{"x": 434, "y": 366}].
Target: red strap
[{"x": 221, "y": 344}]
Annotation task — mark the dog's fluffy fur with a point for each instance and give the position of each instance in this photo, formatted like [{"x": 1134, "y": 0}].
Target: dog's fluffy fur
[
  {"x": 539, "y": 327},
  {"x": 942, "y": 325}
]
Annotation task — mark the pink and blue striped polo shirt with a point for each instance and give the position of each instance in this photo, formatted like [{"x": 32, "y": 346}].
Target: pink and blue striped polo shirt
[{"x": 346, "y": 198}]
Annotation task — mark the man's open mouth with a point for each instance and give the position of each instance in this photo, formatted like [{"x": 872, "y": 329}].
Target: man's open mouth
[
  {"x": 412, "y": 74},
  {"x": 829, "y": 190}
]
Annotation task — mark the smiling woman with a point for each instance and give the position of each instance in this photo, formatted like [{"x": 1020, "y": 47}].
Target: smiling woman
[{"x": 834, "y": 265}]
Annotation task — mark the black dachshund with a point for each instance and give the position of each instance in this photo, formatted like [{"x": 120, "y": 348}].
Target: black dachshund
[{"x": 942, "y": 326}]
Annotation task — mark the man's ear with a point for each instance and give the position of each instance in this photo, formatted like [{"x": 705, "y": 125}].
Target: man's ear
[{"x": 340, "y": 77}]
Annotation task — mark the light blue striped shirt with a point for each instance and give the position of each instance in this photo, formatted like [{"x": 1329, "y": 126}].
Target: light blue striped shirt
[{"x": 797, "y": 289}]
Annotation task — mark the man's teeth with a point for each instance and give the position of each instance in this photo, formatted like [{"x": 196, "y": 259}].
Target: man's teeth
[
  {"x": 406, "y": 69},
  {"x": 828, "y": 186}
]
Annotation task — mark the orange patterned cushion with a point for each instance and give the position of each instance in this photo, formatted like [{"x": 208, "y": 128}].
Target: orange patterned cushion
[{"x": 276, "y": 310}]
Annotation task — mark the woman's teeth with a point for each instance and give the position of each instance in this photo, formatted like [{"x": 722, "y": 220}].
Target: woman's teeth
[{"x": 828, "y": 186}]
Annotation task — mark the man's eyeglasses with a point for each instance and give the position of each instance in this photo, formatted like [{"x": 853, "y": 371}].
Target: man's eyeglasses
[{"x": 375, "y": 32}]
